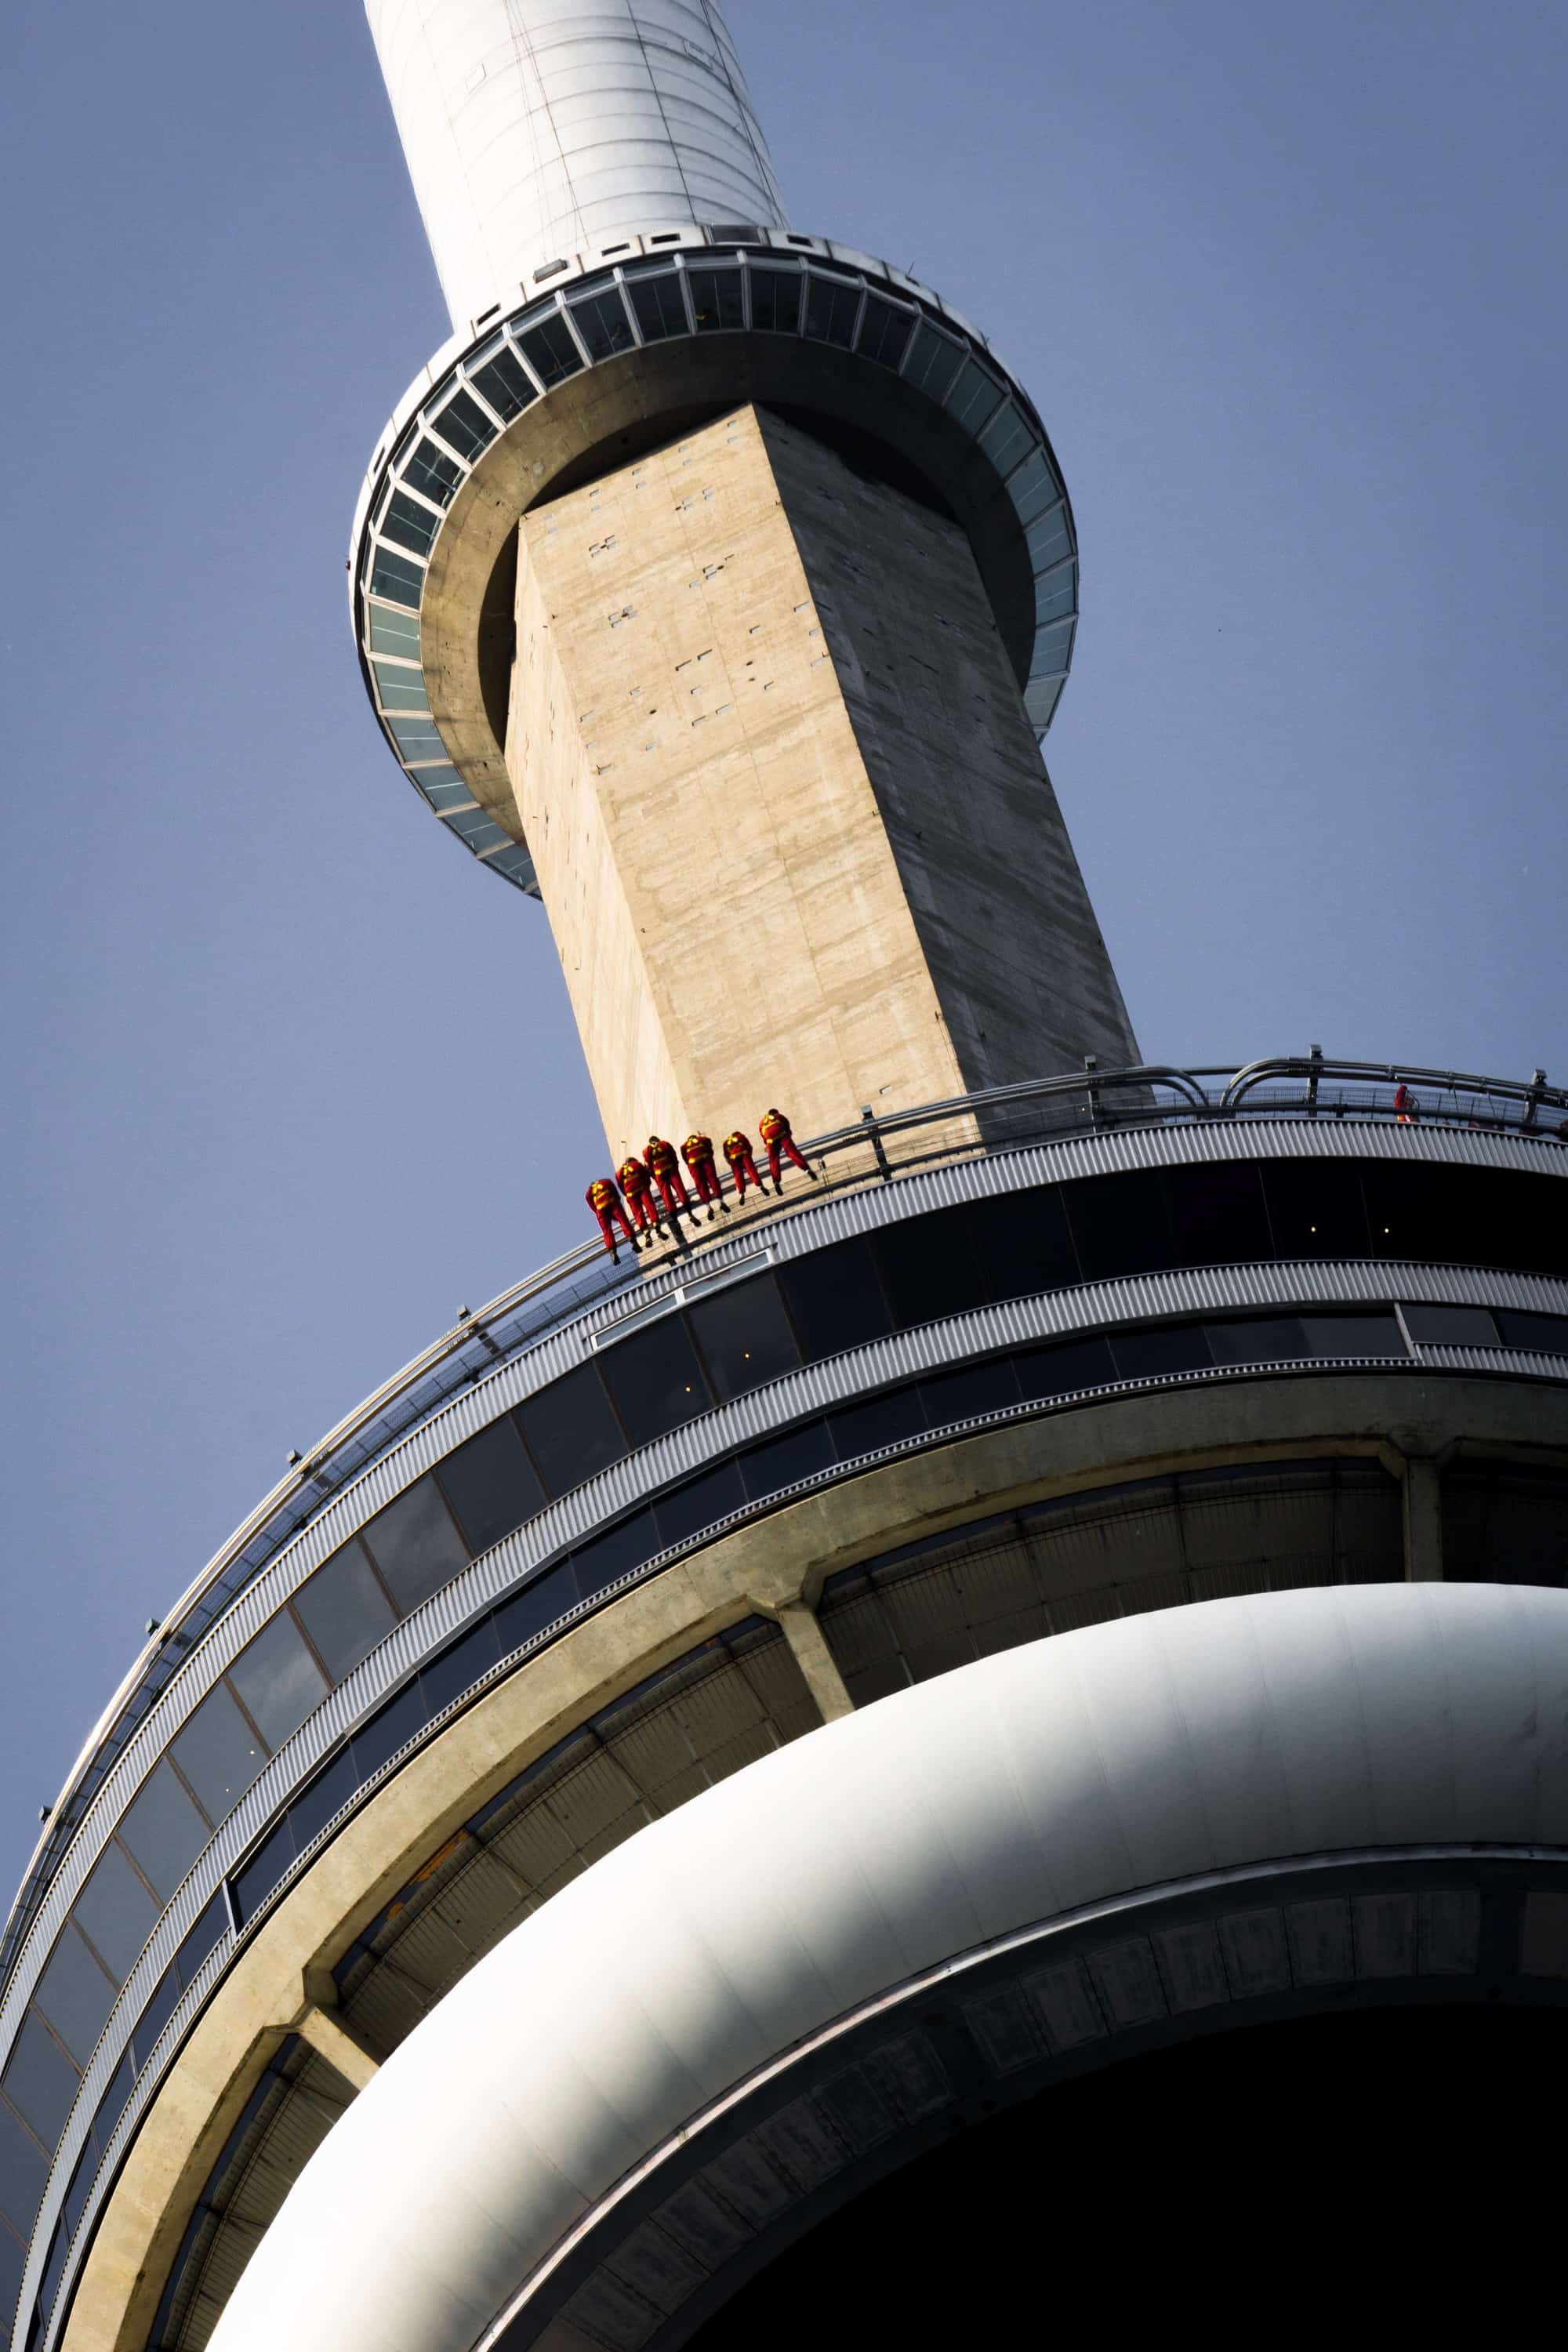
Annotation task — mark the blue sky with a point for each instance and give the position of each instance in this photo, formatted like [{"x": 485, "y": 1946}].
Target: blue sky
[{"x": 287, "y": 1076}]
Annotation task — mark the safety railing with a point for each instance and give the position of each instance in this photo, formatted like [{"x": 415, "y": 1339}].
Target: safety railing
[{"x": 875, "y": 1148}]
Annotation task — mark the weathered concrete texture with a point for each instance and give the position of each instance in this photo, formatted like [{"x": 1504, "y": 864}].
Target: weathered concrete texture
[{"x": 792, "y": 828}]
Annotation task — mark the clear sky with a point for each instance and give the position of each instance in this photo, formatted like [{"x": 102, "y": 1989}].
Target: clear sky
[{"x": 288, "y": 1077}]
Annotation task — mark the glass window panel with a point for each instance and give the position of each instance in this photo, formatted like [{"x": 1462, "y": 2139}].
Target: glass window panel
[
  {"x": 600, "y": 321},
  {"x": 929, "y": 1268},
  {"x": 1262, "y": 1339},
  {"x": 1056, "y": 596},
  {"x": 972, "y": 1389},
  {"x": 278, "y": 1679},
  {"x": 219, "y": 1754},
  {"x": 1217, "y": 1215},
  {"x": 400, "y": 689},
  {"x": 570, "y": 1432},
  {"x": 1546, "y": 1334},
  {"x": 115, "y": 1911},
  {"x": 1453, "y": 1326},
  {"x": 416, "y": 739},
  {"x": 933, "y": 360},
  {"x": 344, "y": 1610},
  {"x": 1354, "y": 1335},
  {"x": 1008, "y": 438},
  {"x": 480, "y": 831},
  {"x": 450, "y": 1675},
  {"x": 393, "y": 631},
  {"x": 210, "y": 1927},
  {"x": 75, "y": 2201},
  {"x": 835, "y": 1300},
  {"x": 660, "y": 310},
  {"x": 155, "y": 2016},
  {"x": 1034, "y": 489},
  {"x": 831, "y": 309},
  {"x": 1023, "y": 1243},
  {"x": 416, "y": 1545},
  {"x": 515, "y": 864},
  {"x": 410, "y": 524},
  {"x": 610, "y": 1557},
  {"x": 163, "y": 1830},
  {"x": 716, "y": 299},
  {"x": 655, "y": 1379},
  {"x": 974, "y": 396},
  {"x": 23, "y": 2166},
  {"x": 1051, "y": 650},
  {"x": 699, "y": 1504},
  {"x": 881, "y": 1420},
  {"x": 1040, "y": 697},
  {"x": 111, "y": 2107},
  {"x": 394, "y": 577},
  {"x": 1120, "y": 1224},
  {"x": 443, "y": 788},
  {"x": 1315, "y": 1208},
  {"x": 884, "y": 330},
  {"x": 388, "y": 1730},
  {"x": 433, "y": 474},
  {"x": 775, "y": 299},
  {"x": 550, "y": 351},
  {"x": 75, "y": 1994},
  {"x": 1521, "y": 1217},
  {"x": 539, "y": 1604},
  {"x": 1411, "y": 1211},
  {"x": 506, "y": 384},
  {"x": 491, "y": 1486},
  {"x": 1149, "y": 1355},
  {"x": 464, "y": 424},
  {"x": 1048, "y": 539},
  {"x": 248, "y": 1889},
  {"x": 40, "y": 2080},
  {"x": 1060, "y": 1371},
  {"x": 743, "y": 1336},
  {"x": 331, "y": 1788},
  {"x": 12, "y": 2262},
  {"x": 798, "y": 1454}
]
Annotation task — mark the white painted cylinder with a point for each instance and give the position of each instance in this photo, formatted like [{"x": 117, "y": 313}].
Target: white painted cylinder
[{"x": 535, "y": 128}]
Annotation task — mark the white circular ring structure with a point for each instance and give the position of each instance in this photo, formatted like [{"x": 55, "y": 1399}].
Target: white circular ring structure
[{"x": 1069, "y": 1774}]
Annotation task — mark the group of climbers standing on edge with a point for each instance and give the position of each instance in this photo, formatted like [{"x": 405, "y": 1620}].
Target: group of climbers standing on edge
[{"x": 627, "y": 1201}]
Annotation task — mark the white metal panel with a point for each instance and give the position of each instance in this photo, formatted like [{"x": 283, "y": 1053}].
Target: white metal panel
[{"x": 535, "y": 128}]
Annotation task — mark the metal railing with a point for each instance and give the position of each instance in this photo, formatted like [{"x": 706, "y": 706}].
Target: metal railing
[{"x": 874, "y": 1149}]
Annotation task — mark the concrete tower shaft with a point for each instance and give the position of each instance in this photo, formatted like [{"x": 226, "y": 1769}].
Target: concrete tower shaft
[{"x": 534, "y": 127}]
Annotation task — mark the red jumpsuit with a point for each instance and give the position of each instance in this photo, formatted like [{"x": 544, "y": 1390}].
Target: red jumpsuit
[
  {"x": 777, "y": 1135},
  {"x": 742, "y": 1167},
  {"x": 638, "y": 1185},
  {"x": 665, "y": 1169},
  {"x": 698, "y": 1153},
  {"x": 1406, "y": 1110},
  {"x": 605, "y": 1202}
]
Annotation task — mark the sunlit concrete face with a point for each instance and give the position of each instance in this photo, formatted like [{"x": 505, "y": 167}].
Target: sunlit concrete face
[{"x": 790, "y": 820}]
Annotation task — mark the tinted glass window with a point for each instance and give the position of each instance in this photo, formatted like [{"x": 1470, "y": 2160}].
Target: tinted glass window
[
  {"x": 697, "y": 1504},
  {"x": 1148, "y": 1355},
  {"x": 218, "y": 1753},
  {"x": 450, "y": 1675},
  {"x": 1512, "y": 1221},
  {"x": 600, "y": 321},
  {"x": 329, "y": 1789},
  {"x": 344, "y": 1610},
  {"x": 23, "y": 2165},
  {"x": 1454, "y": 1326},
  {"x": 505, "y": 385},
  {"x": 1315, "y": 1208},
  {"x": 775, "y": 301},
  {"x": 929, "y": 1268},
  {"x": 490, "y": 1485},
  {"x": 249, "y": 1888},
  {"x": 464, "y": 424},
  {"x": 433, "y": 474},
  {"x": 393, "y": 632},
  {"x": 715, "y": 298},
  {"x": 626, "y": 1547},
  {"x": 550, "y": 351},
  {"x": 934, "y": 362},
  {"x": 1022, "y": 1244},
  {"x": 655, "y": 1379},
  {"x": 1008, "y": 438},
  {"x": 75, "y": 1995},
  {"x": 1034, "y": 492},
  {"x": 395, "y": 578},
  {"x": 211, "y": 1924},
  {"x": 1266, "y": 1340},
  {"x": 1048, "y": 539},
  {"x": 835, "y": 1300},
  {"x": 884, "y": 331},
  {"x": 743, "y": 1336},
  {"x": 1354, "y": 1335},
  {"x": 164, "y": 1830},
  {"x": 400, "y": 689},
  {"x": 40, "y": 2080},
  {"x": 416, "y": 1545},
  {"x": 155, "y": 2016},
  {"x": 1546, "y": 1333},
  {"x": 659, "y": 309},
  {"x": 409, "y": 523},
  {"x": 798, "y": 1454},
  {"x": 881, "y": 1420},
  {"x": 111, "y": 2107},
  {"x": 1218, "y": 1216},
  {"x": 1060, "y": 1371},
  {"x": 1412, "y": 1213},
  {"x": 972, "y": 1388},
  {"x": 115, "y": 1912},
  {"x": 830, "y": 310},
  {"x": 539, "y": 1604},
  {"x": 12, "y": 2261},
  {"x": 387, "y": 1730},
  {"x": 974, "y": 396},
  {"x": 1120, "y": 1226},
  {"x": 571, "y": 1430},
  {"x": 278, "y": 1680}
]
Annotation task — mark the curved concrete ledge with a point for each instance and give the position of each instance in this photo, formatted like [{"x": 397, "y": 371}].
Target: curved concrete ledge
[{"x": 1023, "y": 1789}]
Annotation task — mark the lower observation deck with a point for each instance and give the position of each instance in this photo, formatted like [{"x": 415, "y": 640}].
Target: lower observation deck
[{"x": 1142, "y": 1297}]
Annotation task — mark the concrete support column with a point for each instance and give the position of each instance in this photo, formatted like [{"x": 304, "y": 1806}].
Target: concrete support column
[
  {"x": 815, "y": 1661},
  {"x": 344, "y": 2053},
  {"x": 1422, "y": 1519}
]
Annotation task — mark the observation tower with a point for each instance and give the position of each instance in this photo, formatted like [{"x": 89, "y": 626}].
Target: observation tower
[{"x": 741, "y": 1778}]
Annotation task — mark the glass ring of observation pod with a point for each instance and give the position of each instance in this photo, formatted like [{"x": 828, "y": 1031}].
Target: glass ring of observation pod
[{"x": 649, "y": 335}]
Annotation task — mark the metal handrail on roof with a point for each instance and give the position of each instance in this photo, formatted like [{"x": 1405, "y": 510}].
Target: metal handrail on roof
[{"x": 1080, "y": 1101}]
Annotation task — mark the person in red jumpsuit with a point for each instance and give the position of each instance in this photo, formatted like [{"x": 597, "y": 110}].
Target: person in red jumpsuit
[
  {"x": 664, "y": 1167},
  {"x": 1406, "y": 1109},
  {"x": 638, "y": 1185},
  {"x": 777, "y": 1134},
  {"x": 605, "y": 1202},
  {"x": 698, "y": 1153},
  {"x": 742, "y": 1167}
]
